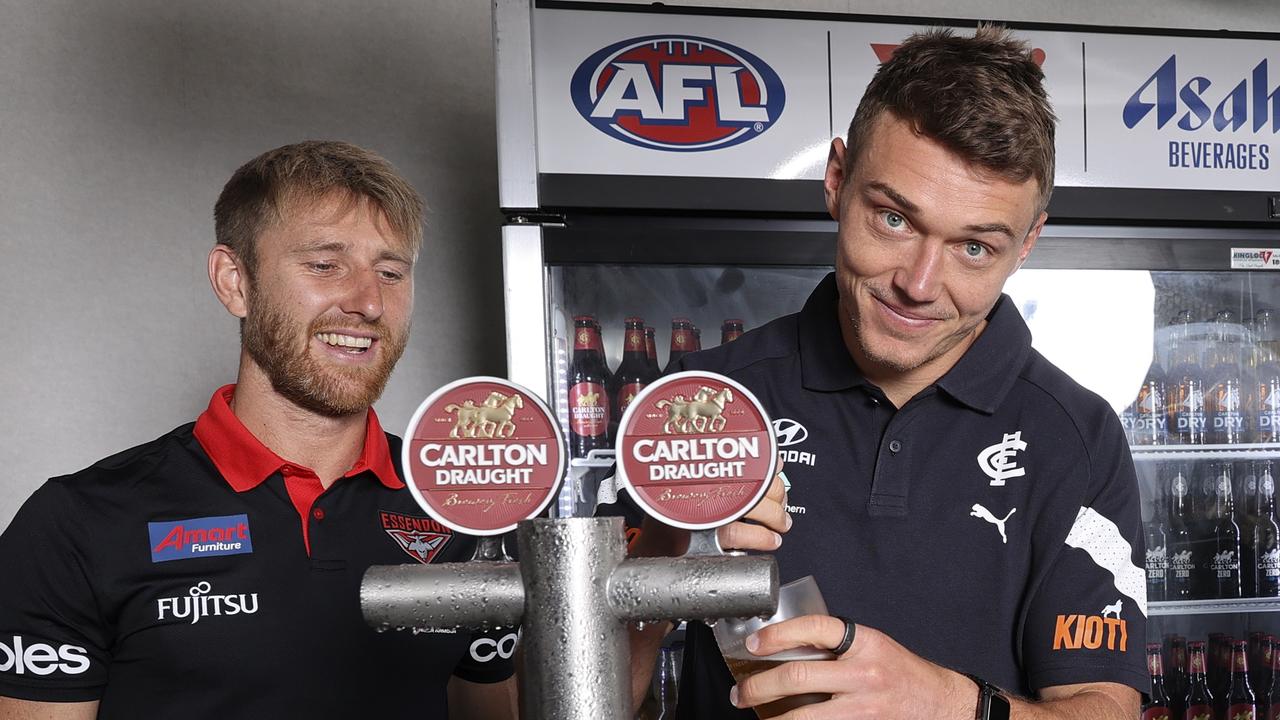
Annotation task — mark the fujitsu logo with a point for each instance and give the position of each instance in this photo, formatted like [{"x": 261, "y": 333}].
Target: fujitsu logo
[
  {"x": 198, "y": 603},
  {"x": 42, "y": 658}
]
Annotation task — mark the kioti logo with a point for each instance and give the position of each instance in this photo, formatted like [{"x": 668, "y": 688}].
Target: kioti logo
[
  {"x": 678, "y": 93},
  {"x": 1092, "y": 632}
]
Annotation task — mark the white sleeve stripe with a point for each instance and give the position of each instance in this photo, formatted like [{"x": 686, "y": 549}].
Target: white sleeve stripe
[{"x": 1106, "y": 545}]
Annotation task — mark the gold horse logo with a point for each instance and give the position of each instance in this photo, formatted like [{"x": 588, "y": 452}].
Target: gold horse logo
[
  {"x": 704, "y": 413},
  {"x": 489, "y": 419}
]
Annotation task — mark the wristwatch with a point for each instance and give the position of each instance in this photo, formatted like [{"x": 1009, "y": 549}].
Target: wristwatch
[{"x": 992, "y": 703}]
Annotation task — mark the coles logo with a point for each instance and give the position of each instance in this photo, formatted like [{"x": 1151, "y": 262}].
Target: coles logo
[
  {"x": 677, "y": 92},
  {"x": 20, "y": 658}
]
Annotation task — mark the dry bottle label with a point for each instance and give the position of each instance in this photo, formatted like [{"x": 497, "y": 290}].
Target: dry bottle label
[
  {"x": 1188, "y": 415},
  {"x": 1268, "y": 408},
  {"x": 696, "y": 450},
  {"x": 482, "y": 454},
  {"x": 1146, "y": 417},
  {"x": 1224, "y": 406},
  {"x": 588, "y": 409}
]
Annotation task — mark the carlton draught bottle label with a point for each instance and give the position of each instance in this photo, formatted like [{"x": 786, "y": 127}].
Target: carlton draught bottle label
[
  {"x": 1198, "y": 712},
  {"x": 627, "y": 395},
  {"x": 588, "y": 409},
  {"x": 482, "y": 454},
  {"x": 696, "y": 450},
  {"x": 1242, "y": 712}
]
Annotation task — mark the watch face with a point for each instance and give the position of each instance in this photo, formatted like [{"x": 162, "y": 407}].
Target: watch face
[{"x": 998, "y": 709}]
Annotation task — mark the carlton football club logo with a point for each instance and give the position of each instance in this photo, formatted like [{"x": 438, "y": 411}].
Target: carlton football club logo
[
  {"x": 696, "y": 450},
  {"x": 481, "y": 454},
  {"x": 678, "y": 93}
]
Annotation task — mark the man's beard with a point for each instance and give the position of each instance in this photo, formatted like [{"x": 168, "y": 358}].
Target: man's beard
[{"x": 269, "y": 336}]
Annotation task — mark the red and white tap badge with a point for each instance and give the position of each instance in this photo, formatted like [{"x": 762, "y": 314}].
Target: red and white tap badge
[
  {"x": 696, "y": 450},
  {"x": 481, "y": 454}
]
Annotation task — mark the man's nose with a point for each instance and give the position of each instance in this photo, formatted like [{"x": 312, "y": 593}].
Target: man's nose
[
  {"x": 920, "y": 277},
  {"x": 363, "y": 295}
]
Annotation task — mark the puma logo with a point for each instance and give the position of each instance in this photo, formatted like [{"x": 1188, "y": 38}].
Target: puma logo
[
  {"x": 1113, "y": 608},
  {"x": 981, "y": 512}
]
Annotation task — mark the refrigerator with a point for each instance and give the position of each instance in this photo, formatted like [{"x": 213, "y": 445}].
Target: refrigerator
[{"x": 666, "y": 162}]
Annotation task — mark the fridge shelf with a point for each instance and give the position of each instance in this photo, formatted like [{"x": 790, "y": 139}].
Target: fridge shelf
[
  {"x": 1253, "y": 451},
  {"x": 1213, "y": 607},
  {"x": 600, "y": 459}
]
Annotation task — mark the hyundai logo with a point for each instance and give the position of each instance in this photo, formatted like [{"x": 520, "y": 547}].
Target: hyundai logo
[{"x": 789, "y": 432}]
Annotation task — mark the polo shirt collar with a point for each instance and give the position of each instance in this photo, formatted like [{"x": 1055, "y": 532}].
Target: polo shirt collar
[
  {"x": 245, "y": 462},
  {"x": 825, "y": 363},
  {"x": 988, "y": 369},
  {"x": 981, "y": 378}
]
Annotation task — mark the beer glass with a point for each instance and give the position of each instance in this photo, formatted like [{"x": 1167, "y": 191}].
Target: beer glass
[{"x": 795, "y": 599}]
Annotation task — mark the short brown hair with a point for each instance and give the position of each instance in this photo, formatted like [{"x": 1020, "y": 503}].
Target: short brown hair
[
  {"x": 982, "y": 97},
  {"x": 265, "y": 187}
]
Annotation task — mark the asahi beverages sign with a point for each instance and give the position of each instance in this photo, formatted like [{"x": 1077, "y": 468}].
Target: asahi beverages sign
[
  {"x": 481, "y": 454},
  {"x": 696, "y": 450}
]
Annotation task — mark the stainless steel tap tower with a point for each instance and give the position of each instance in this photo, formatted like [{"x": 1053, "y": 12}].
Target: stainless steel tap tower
[{"x": 573, "y": 591}]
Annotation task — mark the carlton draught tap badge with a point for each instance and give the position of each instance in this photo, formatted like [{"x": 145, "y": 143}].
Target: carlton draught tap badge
[
  {"x": 481, "y": 454},
  {"x": 696, "y": 450}
]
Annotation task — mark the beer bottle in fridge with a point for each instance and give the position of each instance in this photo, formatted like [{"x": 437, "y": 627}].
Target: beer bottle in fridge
[
  {"x": 1223, "y": 398},
  {"x": 1273, "y": 687},
  {"x": 731, "y": 330},
  {"x": 1264, "y": 400},
  {"x": 651, "y": 349},
  {"x": 1267, "y": 534},
  {"x": 1146, "y": 420},
  {"x": 588, "y": 398},
  {"x": 1157, "y": 706},
  {"x": 633, "y": 372},
  {"x": 1198, "y": 703},
  {"x": 1248, "y": 521},
  {"x": 1186, "y": 391},
  {"x": 681, "y": 343},
  {"x": 1176, "y": 675},
  {"x": 1242, "y": 703},
  {"x": 1157, "y": 562},
  {"x": 1223, "y": 568},
  {"x": 1184, "y": 549}
]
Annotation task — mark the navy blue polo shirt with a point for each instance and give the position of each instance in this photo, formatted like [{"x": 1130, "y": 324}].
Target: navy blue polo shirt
[
  {"x": 991, "y": 524},
  {"x": 202, "y": 576}
]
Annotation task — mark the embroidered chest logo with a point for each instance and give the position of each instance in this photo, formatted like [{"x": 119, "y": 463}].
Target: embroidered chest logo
[
  {"x": 420, "y": 538},
  {"x": 999, "y": 462},
  {"x": 790, "y": 432}
]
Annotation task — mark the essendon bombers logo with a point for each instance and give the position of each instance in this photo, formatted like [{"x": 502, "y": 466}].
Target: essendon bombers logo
[
  {"x": 677, "y": 93},
  {"x": 420, "y": 538}
]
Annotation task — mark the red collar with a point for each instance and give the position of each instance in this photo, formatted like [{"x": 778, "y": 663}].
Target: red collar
[{"x": 246, "y": 463}]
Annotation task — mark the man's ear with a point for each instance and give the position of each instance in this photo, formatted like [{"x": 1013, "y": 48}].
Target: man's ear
[
  {"x": 1029, "y": 242},
  {"x": 229, "y": 281},
  {"x": 834, "y": 179}
]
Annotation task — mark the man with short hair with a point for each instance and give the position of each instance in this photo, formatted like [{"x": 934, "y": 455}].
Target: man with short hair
[
  {"x": 215, "y": 572},
  {"x": 965, "y": 504}
]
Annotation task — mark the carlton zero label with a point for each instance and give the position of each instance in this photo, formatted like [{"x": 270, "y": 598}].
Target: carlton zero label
[
  {"x": 697, "y": 450},
  {"x": 481, "y": 454}
]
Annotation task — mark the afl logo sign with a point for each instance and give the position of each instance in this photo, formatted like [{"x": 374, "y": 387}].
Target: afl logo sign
[{"x": 678, "y": 93}]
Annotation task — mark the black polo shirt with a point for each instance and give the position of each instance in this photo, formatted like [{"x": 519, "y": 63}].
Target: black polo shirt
[
  {"x": 201, "y": 576},
  {"x": 991, "y": 525}
]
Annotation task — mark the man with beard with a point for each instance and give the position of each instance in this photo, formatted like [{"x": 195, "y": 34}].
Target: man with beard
[{"x": 214, "y": 572}]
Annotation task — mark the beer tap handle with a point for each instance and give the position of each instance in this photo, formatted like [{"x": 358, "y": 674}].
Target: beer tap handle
[
  {"x": 705, "y": 542},
  {"x": 491, "y": 548}
]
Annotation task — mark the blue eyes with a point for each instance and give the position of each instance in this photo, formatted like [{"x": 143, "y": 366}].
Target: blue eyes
[
  {"x": 894, "y": 220},
  {"x": 974, "y": 250}
]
